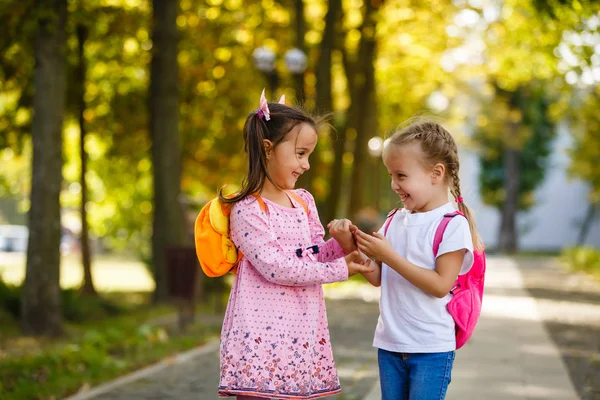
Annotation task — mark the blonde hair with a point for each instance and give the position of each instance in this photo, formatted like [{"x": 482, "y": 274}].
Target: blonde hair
[{"x": 439, "y": 147}]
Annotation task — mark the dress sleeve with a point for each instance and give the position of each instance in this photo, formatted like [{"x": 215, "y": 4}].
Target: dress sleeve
[
  {"x": 329, "y": 250},
  {"x": 252, "y": 235}
]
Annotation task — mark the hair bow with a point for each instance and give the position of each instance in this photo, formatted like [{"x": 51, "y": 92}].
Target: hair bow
[{"x": 263, "y": 110}]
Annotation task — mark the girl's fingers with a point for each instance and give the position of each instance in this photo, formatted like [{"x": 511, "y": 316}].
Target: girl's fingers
[
  {"x": 346, "y": 224},
  {"x": 359, "y": 234},
  {"x": 365, "y": 269}
]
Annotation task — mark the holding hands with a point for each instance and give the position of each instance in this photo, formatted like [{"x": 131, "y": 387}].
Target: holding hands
[
  {"x": 339, "y": 229},
  {"x": 358, "y": 264},
  {"x": 375, "y": 246}
]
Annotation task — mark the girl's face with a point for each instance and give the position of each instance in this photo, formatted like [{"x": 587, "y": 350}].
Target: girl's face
[
  {"x": 417, "y": 186},
  {"x": 289, "y": 159}
]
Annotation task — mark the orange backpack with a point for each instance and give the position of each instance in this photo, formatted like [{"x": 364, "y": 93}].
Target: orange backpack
[{"x": 215, "y": 250}]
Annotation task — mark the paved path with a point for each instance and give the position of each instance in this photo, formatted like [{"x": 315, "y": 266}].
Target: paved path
[
  {"x": 196, "y": 375},
  {"x": 510, "y": 356}
]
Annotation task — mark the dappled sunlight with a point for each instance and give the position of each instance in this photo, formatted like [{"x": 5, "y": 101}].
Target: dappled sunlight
[
  {"x": 110, "y": 273},
  {"x": 510, "y": 307},
  {"x": 510, "y": 355}
]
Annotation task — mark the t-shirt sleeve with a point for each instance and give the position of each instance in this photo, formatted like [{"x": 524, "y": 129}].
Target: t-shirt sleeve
[
  {"x": 328, "y": 250},
  {"x": 457, "y": 236},
  {"x": 252, "y": 235}
]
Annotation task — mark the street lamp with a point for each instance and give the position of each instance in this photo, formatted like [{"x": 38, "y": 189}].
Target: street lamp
[
  {"x": 375, "y": 148},
  {"x": 295, "y": 62},
  {"x": 264, "y": 60}
]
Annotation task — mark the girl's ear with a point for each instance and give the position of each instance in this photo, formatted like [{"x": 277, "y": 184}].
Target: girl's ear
[
  {"x": 268, "y": 147},
  {"x": 438, "y": 173}
]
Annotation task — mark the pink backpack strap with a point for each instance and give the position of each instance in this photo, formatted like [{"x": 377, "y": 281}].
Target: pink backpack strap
[
  {"x": 439, "y": 232},
  {"x": 388, "y": 220}
]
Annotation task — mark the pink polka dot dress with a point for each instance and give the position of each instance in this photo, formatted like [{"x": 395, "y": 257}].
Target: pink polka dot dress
[{"x": 275, "y": 337}]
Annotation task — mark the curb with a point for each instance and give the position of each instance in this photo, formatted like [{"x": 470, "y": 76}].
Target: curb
[{"x": 146, "y": 371}]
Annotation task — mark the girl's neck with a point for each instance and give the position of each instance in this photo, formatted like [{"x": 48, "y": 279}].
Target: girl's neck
[
  {"x": 276, "y": 195},
  {"x": 436, "y": 202}
]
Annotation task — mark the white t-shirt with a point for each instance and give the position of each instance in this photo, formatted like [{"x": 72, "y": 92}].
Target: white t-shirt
[{"x": 410, "y": 320}]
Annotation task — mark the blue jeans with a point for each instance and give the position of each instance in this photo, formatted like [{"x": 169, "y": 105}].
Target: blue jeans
[{"x": 414, "y": 376}]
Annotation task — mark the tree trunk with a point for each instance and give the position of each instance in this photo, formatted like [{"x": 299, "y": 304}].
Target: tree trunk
[
  {"x": 508, "y": 227},
  {"x": 40, "y": 306},
  {"x": 339, "y": 135},
  {"x": 324, "y": 104},
  {"x": 168, "y": 224},
  {"x": 87, "y": 286},
  {"x": 587, "y": 225},
  {"x": 323, "y": 99},
  {"x": 300, "y": 33},
  {"x": 306, "y": 180},
  {"x": 365, "y": 109}
]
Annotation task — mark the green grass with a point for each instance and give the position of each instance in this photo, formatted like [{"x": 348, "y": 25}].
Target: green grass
[
  {"x": 90, "y": 353},
  {"x": 586, "y": 259}
]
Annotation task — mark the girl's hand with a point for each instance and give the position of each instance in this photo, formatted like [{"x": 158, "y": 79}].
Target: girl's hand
[
  {"x": 375, "y": 246},
  {"x": 339, "y": 229},
  {"x": 358, "y": 264}
]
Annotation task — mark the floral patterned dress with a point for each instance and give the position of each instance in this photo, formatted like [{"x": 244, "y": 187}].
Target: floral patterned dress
[{"x": 275, "y": 338}]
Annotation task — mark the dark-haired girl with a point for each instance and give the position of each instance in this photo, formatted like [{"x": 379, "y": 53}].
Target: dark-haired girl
[{"x": 275, "y": 338}]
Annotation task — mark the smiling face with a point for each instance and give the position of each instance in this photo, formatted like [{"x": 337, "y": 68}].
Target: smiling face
[
  {"x": 421, "y": 188},
  {"x": 289, "y": 159}
]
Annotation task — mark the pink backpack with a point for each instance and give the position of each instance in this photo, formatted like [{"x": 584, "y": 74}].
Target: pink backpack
[{"x": 465, "y": 305}]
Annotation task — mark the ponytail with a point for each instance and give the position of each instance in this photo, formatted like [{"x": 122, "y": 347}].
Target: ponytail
[
  {"x": 254, "y": 136},
  {"x": 463, "y": 208}
]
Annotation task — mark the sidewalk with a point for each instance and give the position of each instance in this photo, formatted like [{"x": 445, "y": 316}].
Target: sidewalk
[{"x": 511, "y": 356}]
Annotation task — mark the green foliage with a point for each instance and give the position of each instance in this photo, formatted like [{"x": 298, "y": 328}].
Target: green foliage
[
  {"x": 219, "y": 86},
  {"x": 94, "y": 354},
  {"x": 528, "y": 108},
  {"x": 585, "y": 259},
  {"x": 18, "y": 19},
  {"x": 586, "y": 150}
]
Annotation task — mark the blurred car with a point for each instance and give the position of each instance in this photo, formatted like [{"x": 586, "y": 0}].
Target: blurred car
[{"x": 13, "y": 238}]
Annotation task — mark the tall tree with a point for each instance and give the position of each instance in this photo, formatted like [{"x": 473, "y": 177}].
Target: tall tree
[
  {"x": 516, "y": 144},
  {"x": 300, "y": 33},
  {"x": 40, "y": 310},
  {"x": 363, "y": 110},
  {"x": 585, "y": 154},
  {"x": 169, "y": 224},
  {"x": 324, "y": 99},
  {"x": 87, "y": 286}
]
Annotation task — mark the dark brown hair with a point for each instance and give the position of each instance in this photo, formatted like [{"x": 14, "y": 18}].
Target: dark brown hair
[
  {"x": 438, "y": 146},
  {"x": 256, "y": 130}
]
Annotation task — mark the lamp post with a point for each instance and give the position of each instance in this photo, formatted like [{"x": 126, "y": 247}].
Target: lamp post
[
  {"x": 295, "y": 63},
  {"x": 375, "y": 148},
  {"x": 264, "y": 60}
]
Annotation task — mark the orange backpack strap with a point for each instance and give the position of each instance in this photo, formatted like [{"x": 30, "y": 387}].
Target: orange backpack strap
[
  {"x": 261, "y": 203},
  {"x": 299, "y": 200}
]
